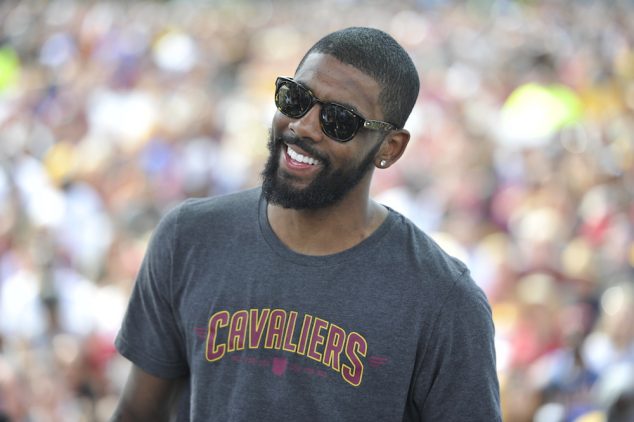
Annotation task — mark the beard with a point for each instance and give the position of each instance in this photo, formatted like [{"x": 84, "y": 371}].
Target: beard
[{"x": 328, "y": 187}]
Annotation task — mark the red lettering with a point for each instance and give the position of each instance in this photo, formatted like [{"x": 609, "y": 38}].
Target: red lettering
[
  {"x": 355, "y": 345},
  {"x": 288, "y": 334},
  {"x": 334, "y": 346},
  {"x": 303, "y": 337},
  {"x": 275, "y": 333},
  {"x": 256, "y": 327},
  {"x": 216, "y": 351},
  {"x": 316, "y": 339},
  {"x": 238, "y": 330}
]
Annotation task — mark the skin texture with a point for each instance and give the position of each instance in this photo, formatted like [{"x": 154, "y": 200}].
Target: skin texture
[
  {"x": 340, "y": 226},
  {"x": 147, "y": 398},
  {"x": 312, "y": 232}
]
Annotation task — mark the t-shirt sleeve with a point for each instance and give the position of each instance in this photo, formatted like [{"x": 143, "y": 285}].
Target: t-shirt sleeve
[
  {"x": 457, "y": 378},
  {"x": 150, "y": 336}
]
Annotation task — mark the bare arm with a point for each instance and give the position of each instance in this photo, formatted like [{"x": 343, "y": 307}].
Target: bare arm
[{"x": 147, "y": 398}]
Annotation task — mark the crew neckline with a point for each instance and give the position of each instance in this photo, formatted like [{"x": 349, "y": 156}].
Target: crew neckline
[{"x": 288, "y": 254}]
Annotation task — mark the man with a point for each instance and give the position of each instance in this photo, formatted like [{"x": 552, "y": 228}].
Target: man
[{"x": 305, "y": 299}]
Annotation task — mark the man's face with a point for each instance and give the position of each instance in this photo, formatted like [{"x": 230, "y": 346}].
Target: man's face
[{"x": 307, "y": 169}]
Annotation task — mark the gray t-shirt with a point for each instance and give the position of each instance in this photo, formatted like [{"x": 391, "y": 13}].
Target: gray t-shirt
[{"x": 391, "y": 329}]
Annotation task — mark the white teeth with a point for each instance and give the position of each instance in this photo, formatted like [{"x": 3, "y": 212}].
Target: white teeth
[{"x": 301, "y": 158}]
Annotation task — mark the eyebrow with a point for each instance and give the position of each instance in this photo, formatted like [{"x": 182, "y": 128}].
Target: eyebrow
[{"x": 349, "y": 106}]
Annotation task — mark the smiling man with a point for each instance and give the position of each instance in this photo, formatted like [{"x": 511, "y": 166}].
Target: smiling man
[{"x": 305, "y": 299}]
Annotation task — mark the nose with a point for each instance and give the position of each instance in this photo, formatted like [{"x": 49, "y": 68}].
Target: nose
[{"x": 308, "y": 125}]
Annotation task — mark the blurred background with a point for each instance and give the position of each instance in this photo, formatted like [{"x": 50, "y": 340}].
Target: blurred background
[{"x": 521, "y": 164}]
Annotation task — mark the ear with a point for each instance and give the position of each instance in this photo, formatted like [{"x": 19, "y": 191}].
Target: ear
[{"x": 392, "y": 148}]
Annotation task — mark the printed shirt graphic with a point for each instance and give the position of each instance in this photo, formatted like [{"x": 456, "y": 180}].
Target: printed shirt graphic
[
  {"x": 277, "y": 329},
  {"x": 388, "y": 330}
]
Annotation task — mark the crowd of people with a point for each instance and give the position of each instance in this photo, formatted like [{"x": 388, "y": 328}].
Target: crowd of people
[{"x": 521, "y": 164}]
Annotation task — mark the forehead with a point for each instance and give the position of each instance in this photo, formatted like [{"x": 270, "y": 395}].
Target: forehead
[{"x": 333, "y": 80}]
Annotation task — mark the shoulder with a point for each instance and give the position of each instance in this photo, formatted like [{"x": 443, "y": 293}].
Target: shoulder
[
  {"x": 416, "y": 256},
  {"x": 229, "y": 203},
  {"x": 201, "y": 213},
  {"x": 412, "y": 248}
]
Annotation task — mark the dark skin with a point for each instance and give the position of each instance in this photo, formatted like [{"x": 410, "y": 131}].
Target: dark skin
[
  {"x": 148, "y": 398},
  {"x": 343, "y": 225},
  {"x": 311, "y": 232}
]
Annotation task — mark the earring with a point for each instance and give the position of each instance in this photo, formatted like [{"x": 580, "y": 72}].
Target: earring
[{"x": 383, "y": 163}]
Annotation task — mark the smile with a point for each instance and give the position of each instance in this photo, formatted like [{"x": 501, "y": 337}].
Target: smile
[{"x": 300, "y": 158}]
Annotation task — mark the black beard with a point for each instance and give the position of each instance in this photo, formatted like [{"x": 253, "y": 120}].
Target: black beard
[{"x": 328, "y": 187}]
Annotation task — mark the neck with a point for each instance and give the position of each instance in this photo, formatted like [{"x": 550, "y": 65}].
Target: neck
[{"x": 327, "y": 230}]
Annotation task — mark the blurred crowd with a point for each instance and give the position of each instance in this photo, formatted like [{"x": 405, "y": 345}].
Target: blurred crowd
[{"x": 521, "y": 164}]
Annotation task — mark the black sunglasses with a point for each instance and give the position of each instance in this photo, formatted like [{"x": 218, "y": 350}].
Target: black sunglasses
[{"x": 337, "y": 121}]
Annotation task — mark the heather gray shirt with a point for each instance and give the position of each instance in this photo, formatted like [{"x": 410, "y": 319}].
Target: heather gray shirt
[{"x": 391, "y": 329}]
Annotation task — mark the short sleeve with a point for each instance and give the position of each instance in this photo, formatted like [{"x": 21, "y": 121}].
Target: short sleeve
[
  {"x": 150, "y": 336},
  {"x": 456, "y": 379}
]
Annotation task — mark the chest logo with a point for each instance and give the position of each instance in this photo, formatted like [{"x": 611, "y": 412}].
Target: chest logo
[{"x": 310, "y": 336}]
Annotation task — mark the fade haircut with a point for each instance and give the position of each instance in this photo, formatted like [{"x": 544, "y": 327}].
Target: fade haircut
[{"x": 378, "y": 55}]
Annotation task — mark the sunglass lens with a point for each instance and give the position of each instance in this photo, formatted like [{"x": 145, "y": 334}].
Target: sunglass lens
[
  {"x": 338, "y": 123},
  {"x": 292, "y": 99}
]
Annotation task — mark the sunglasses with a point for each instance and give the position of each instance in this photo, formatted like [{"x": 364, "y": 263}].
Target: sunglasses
[{"x": 337, "y": 121}]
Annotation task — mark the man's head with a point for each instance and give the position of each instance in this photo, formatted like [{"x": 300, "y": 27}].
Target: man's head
[
  {"x": 365, "y": 71},
  {"x": 378, "y": 55}
]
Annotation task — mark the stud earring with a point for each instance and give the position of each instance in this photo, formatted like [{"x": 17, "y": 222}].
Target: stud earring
[{"x": 383, "y": 163}]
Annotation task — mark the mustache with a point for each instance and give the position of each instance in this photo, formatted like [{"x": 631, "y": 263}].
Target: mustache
[{"x": 304, "y": 143}]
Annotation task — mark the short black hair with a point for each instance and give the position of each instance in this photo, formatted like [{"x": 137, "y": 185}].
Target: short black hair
[{"x": 380, "y": 56}]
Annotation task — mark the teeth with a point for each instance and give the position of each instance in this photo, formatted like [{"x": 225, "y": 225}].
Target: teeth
[{"x": 301, "y": 158}]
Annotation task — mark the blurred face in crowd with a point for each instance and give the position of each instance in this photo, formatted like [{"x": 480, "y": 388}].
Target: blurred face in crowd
[{"x": 306, "y": 168}]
